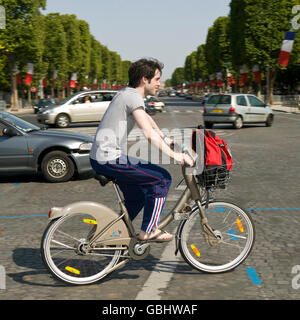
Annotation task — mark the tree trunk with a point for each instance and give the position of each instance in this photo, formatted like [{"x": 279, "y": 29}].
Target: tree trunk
[
  {"x": 14, "y": 103},
  {"x": 258, "y": 93},
  {"x": 270, "y": 79}
]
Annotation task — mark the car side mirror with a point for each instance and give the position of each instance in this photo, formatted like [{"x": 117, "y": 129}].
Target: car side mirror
[
  {"x": 10, "y": 132},
  {"x": 75, "y": 102}
]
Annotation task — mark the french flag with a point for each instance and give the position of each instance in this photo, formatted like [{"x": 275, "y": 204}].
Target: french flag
[
  {"x": 73, "y": 80},
  {"x": 219, "y": 79},
  {"x": 286, "y": 48},
  {"x": 29, "y": 73},
  {"x": 256, "y": 73},
  {"x": 54, "y": 77}
]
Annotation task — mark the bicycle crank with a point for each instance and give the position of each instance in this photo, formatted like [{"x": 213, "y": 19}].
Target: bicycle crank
[{"x": 138, "y": 251}]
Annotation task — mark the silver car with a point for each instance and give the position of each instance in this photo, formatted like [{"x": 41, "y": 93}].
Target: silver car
[
  {"x": 236, "y": 108},
  {"x": 87, "y": 106},
  {"x": 25, "y": 147}
]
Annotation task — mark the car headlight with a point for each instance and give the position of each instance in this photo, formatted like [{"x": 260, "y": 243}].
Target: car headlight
[
  {"x": 48, "y": 111},
  {"x": 86, "y": 146}
]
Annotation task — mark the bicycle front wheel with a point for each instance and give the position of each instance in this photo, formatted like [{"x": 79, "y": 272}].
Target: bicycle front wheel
[
  {"x": 235, "y": 233},
  {"x": 65, "y": 250}
]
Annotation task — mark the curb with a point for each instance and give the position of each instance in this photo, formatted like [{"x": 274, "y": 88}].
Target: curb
[
  {"x": 21, "y": 111},
  {"x": 285, "y": 109}
]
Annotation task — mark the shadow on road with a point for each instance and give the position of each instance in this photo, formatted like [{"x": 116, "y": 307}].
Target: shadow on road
[{"x": 38, "y": 275}]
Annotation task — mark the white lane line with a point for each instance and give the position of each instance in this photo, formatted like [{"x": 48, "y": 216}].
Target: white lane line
[{"x": 160, "y": 277}]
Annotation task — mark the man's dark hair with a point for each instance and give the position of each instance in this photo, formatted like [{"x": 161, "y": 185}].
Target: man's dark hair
[{"x": 143, "y": 68}]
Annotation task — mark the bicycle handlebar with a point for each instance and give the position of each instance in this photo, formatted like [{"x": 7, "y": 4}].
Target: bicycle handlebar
[{"x": 188, "y": 151}]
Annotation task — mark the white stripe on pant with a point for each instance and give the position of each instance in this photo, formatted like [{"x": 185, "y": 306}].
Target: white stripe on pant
[{"x": 158, "y": 205}]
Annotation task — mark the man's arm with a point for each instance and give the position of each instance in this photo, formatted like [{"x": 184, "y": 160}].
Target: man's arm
[{"x": 156, "y": 137}]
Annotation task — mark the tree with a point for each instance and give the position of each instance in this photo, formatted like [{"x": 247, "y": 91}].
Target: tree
[
  {"x": 201, "y": 63},
  {"x": 257, "y": 28},
  {"x": 83, "y": 69},
  {"x": 177, "y": 76},
  {"x": 190, "y": 67},
  {"x": 55, "y": 50},
  {"x": 16, "y": 38}
]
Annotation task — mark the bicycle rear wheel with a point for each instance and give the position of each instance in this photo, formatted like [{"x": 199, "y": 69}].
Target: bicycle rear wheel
[
  {"x": 235, "y": 232},
  {"x": 65, "y": 250}
]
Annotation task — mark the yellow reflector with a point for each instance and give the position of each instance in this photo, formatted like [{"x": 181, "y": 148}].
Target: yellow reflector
[
  {"x": 196, "y": 251},
  {"x": 89, "y": 221},
  {"x": 73, "y": 270},
  {"x": 240, "y": 225}
]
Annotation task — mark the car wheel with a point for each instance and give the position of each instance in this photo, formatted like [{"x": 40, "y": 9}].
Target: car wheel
[
  {"x": 57, "y": 167},
  {"x": 238, "y": 123},
  {"x": 62, "y": 121},
  {"x": 270, "y": 120},
  {"x": 208, "y": 125}
]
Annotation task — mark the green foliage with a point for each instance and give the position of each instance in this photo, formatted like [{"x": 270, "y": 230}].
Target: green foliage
[
  {"x": 54, "y": 41},
  {"x": 177, "y": 76},
  {"x": 251, "y": 34}
]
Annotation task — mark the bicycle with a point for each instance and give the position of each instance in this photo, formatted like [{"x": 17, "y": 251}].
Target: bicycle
[{"x": 86, "y": 241}]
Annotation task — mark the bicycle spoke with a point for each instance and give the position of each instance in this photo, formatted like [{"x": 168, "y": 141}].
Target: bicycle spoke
[
  {"x": 234, "y": 229},
  {"x": 62, "y": 244}
]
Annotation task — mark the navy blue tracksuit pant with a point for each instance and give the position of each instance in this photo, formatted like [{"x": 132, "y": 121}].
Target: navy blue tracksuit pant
[{"x": 143, "y": 186}]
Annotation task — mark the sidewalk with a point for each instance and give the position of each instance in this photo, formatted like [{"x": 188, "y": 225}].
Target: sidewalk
[
  {"x": 285, "y": 109},
  {"x": 27, "y": 110}
]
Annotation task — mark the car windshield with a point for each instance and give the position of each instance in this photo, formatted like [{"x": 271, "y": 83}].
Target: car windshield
[
  {"x": 17, "y": 122},
  {"x": 67, "y": 99},
  {"x": 219, "y": 99},
  {"x": 46, "y": 101}
]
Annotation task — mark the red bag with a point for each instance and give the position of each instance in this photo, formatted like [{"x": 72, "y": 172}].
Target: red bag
[{"x": 216, "y": 156}]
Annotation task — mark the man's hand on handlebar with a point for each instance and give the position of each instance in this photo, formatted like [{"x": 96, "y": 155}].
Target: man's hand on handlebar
[{"x": 182, "y": 157}]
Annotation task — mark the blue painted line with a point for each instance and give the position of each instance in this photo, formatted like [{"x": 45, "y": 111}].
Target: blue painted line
[
  {"x": 16, "y": 184},
  {"x": 1, "y": 196},
  {"x": 28, "y": 216},
  {"x": 253, "y": 276},
  {"x": 273, "y": 208}
]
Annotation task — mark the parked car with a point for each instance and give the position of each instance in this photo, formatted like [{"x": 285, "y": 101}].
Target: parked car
[
  {"x": 87, "y": 106},
  {"x": 155, "y": 102},
  {"x": 42, "y": 104},
  {"x": 205, "y": 99},
  {"x": 25, "y": 147},
  {"x": 162, "y": 93},
  {"x": 150, "y": 109},
  {"x": 172, "y": 93},
  {"x": 236, "y": 109}
]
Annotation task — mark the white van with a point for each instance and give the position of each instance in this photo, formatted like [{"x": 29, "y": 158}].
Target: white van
[{"x": 87, "y": 106}]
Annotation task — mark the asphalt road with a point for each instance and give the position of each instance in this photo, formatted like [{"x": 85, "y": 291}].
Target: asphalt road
[{"x": 265, "y": 181}]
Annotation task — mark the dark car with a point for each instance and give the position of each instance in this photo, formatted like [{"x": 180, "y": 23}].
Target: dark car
[
  {"x": 43, "y": 103},
  {"x": 150, "y": 109},
  {"x": 25, "y": 147}
]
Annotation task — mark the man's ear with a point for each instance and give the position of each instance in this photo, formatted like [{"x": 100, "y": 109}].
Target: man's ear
[{"x": 144, "y": 80}]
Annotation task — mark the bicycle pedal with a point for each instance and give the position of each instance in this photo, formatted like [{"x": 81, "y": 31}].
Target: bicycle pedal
[{"x": 181, "y": 215}]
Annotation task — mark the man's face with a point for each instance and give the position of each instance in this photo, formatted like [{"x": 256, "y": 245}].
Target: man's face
[{"x": 152, "y": 86}]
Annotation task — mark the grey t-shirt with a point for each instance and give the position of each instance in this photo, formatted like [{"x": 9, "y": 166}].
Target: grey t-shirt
[{"x": 110, "y": 141}]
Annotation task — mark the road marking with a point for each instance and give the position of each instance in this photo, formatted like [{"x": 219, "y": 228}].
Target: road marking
[
  {"x": 158, "y": 279},
  {"x": 28, "y": 216},
  {"x": 253, "y": 276}
]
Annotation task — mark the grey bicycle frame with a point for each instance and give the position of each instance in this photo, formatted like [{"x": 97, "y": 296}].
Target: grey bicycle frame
[{"x": 191, "y": 192}]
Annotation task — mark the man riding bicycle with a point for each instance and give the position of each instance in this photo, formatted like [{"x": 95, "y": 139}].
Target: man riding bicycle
[{"x": 144, "y": 185}]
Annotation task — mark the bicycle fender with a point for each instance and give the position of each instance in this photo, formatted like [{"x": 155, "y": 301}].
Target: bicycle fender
[{"x": 116, "y": 234}]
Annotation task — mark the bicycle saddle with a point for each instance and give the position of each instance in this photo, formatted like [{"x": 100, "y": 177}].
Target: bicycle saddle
[{"x": 103, "y": 179}]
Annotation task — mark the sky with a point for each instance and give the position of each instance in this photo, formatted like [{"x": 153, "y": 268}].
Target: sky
[{"x": 168, "y": 30}]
